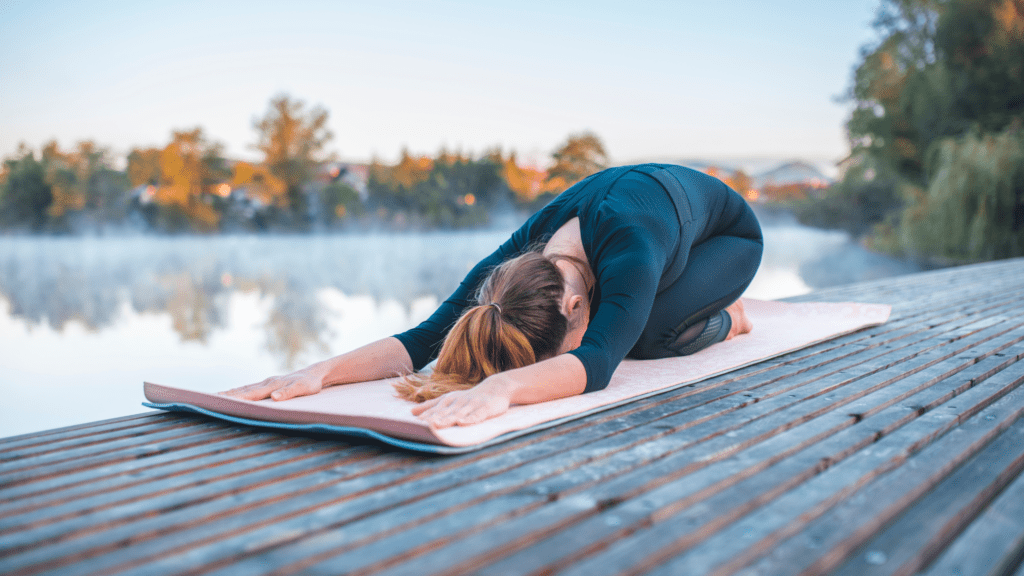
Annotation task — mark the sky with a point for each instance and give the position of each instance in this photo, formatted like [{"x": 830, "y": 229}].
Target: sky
[{"x": 654, "y": 79}]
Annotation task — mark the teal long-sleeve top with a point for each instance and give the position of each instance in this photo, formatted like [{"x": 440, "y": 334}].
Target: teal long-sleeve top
[{"x": 631, "y": 226}]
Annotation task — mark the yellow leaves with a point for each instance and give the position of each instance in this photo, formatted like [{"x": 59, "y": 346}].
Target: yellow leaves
[
  {"x": 525, "y": 182},
  {"x": 1009, "y": 17},
  {"x": 411, "y": 170},
  {"x": 260, "y": 183},
  {"x": 185, "y": 178}
]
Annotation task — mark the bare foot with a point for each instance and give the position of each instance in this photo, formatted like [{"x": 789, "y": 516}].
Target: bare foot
[{"x": 741, "y": 324}]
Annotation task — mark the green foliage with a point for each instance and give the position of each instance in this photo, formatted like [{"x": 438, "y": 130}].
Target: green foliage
[
  {"x": 451, "y": 190},
  {"x": 341, "y": 202},
  {"x": 943, "y": 69},
  {"x": 62, "y": 191},
  {"x": 973, "y": 207},
  {"x": 25, "y": 197}
]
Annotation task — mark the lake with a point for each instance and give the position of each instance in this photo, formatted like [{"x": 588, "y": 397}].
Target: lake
[{"x": 84, "y": 321}]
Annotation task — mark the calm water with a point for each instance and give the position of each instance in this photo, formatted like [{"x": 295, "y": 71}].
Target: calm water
[{"x": 84, "y": 321}]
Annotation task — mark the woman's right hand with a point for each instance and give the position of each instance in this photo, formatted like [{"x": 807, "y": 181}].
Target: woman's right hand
[{"x": 303, "y": 382}]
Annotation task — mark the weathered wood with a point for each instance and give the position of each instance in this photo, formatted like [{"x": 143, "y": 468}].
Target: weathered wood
[
  {"x": 786, "y": 458},
  {"x": 994, "y": 542},
  {"x": 849, "y": 523},
  {"x": 917, "y": 536},
  {"x": 902, "y": 439},
  {"x": 550, "y": 491}
]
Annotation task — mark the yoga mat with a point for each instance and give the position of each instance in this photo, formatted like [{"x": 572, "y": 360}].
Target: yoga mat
[{"x": 370, "y": 409}]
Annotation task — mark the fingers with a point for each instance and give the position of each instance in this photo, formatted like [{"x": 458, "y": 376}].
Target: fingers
[
  {"x": 286, "y": 392},
  {"x": 276, "y": 388},
  {"x": 460, "y": 409},
  {"x": 257, "y": 391},
  {"x": 421, "y": 408}
]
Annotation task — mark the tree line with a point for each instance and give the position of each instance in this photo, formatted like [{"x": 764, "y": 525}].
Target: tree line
[
  {"x": 189, "y": 186},
  {"x": 937, "y": 164}
]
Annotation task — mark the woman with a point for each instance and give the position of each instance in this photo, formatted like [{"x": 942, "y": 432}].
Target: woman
[{"x": 647, "y": 261}]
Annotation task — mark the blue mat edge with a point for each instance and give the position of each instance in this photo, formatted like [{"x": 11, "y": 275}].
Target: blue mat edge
[{"x": 323, "y": 428}]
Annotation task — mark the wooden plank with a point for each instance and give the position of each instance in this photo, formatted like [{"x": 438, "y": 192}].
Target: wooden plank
[
  {"x": 15, "y": 467},
  {"x": 617, "y": 517},
  {"x": 78, "y": 481},
  {"x": 920, "y": 533},
  {"x": 825, "y": 542},
  {"x": 406, "y": 514},
  {"x": 67, "y": 448},
  {"x": 57, "y": 509},
  {"x": 250, "y": 542},
  {"x": 722, "y": 490},
  {"x": 148, "y": 449},
  {"x": 79, "y": 429},
  {"x": 993, "y": 544},
  {"x": 107, "y": 531}
]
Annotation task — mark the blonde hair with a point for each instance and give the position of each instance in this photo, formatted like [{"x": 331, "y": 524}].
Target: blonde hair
[{"x": 516, "y": 322}]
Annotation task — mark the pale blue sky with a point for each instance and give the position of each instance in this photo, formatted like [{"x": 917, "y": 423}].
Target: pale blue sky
[{"x": 682, "y": 78}]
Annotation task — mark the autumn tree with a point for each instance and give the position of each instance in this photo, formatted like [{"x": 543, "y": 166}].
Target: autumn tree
[
  {"x": 292, "y": 139},
  {"x": 524, "y": 181},
  {"x": 183, "y": 175},
  {"x": 144, "y": 166},
  {"x": 582, "y": 155}
]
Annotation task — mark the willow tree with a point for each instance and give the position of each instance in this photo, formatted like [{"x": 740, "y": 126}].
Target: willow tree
[{"x": 973, "y": 205}]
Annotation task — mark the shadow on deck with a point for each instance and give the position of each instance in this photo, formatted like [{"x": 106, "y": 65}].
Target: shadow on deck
[{"x": 894, "y": 450}]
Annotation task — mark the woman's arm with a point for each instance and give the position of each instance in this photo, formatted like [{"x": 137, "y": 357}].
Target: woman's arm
[
  {"x": 381, "y": 359},
  {"x": 557, "y": 377}
]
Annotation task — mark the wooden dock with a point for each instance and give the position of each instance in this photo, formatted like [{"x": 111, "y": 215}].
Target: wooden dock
[{"x": 894, "y": 450}]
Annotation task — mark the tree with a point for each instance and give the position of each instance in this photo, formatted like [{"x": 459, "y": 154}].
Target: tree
[
  {"x": 945, "y": 72},
  {"x": 144, "y": 166},
  {"x": 524, "y": 181},
  {"x": 449, "y": 190},
  {"x": 582, "y": 155},
  {"x": 973, "y": 206},
  {"x": 25, "y": 197},
  {"x": 83, "y": 184},
  {"x": 292, "y": 141},
  {"x": 189, "y": 169}
]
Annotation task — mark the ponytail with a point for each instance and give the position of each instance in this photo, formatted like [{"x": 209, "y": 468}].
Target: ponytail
[{"x": 517, "y": 321}]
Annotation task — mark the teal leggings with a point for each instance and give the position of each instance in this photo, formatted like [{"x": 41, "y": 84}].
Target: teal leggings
[{"x": 689, "y": 314}]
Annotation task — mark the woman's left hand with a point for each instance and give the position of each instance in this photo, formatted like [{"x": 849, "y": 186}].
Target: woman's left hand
[{"x": 462, "y": 407}]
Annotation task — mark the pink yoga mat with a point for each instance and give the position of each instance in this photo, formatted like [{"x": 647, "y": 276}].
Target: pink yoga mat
[{"x": 371, "y": 409}]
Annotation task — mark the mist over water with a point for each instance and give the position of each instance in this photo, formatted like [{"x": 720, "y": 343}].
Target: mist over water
[{"x": 83, "y": 321}]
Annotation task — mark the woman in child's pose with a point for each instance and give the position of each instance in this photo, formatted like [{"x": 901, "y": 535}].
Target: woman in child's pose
[{"x": 643, "y": 261}]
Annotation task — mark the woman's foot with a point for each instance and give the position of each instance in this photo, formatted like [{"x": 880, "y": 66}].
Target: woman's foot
[{"x": 741, "y": 324}]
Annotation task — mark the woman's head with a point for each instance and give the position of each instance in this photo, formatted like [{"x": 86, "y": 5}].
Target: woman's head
[{"x": 518, "y": 320}]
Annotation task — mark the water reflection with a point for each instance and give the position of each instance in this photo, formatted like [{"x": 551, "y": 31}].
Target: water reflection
[{"x": 55, "y": 281}]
